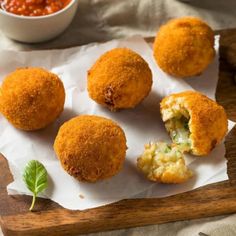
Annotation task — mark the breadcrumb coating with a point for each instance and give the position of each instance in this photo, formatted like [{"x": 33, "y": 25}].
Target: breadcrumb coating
[
  {"x": 31, "y": 98},
  {"x": 163, "y": 163},
  {"x": 207, "y": 121},
  {"x": 91, "y": 148},
  {"x": 184, "y": 47},
  {"x": 119, "y": 79}
]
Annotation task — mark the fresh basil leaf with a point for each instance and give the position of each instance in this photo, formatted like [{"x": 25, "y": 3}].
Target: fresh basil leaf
[{"x": 35, "y": 177}]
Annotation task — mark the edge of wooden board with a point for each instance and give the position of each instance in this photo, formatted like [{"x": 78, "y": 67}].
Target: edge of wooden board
[{"x": 203, "y": 202}]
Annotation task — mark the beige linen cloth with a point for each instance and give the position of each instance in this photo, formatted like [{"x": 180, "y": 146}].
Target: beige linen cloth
[{"x": 100, "y": 20}]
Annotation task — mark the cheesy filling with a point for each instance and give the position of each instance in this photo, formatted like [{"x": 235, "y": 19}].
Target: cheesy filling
[
  {"x": 163, "y": 163},
  {"x": 178, "y": 128}
]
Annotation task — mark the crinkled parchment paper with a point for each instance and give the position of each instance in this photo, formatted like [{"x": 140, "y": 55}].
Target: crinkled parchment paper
[{"x": 141, "y": 125}]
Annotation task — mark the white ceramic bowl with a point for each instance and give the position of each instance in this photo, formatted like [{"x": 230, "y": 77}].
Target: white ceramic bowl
[{"x": 34, "y": 29}]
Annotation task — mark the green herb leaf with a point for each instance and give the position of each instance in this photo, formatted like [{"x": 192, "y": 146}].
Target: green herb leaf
[
  {"x": 35, "y": 178},
  {"x": 186, "y": 125},
  {"x": 167, "y": 149}
]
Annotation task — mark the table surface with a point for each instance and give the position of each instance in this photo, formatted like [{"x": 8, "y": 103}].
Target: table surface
[{"x": 99, "y": 20}]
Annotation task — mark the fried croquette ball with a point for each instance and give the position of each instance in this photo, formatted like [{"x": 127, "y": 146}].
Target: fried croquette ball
[
  {"x": 91, "y": 148},
  {"x": 119, "y": 79},
  {"x": 163, "y": 163},
  {"x": 194, "y": 121},
  {"x": 31, "y": 98},
  {"x": 184, "y": 47}
]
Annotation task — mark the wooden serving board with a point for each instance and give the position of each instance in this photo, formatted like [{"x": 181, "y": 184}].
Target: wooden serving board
[{"x": 215, "y": 199}]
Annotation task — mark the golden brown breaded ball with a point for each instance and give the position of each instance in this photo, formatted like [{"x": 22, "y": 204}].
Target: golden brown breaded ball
[
  {"x": 119, "y": 79},
  {"x": 194, "y": 121},
  {"x": 91, "y": 148},
  {"x": 31, "y": 98},
  {"x": 184, "y": 47}
]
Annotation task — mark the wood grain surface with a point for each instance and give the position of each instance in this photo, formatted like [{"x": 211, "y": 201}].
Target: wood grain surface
[{"x": 215, "y": 199}]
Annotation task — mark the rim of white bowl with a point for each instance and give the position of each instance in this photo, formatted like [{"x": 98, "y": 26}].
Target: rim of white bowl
[{"x": 38, "y": 17}]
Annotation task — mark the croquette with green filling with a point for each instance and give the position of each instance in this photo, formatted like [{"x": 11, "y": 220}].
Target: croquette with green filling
[{"x": 194, "y": 121}]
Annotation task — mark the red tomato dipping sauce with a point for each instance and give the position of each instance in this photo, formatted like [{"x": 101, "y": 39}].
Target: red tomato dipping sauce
[{"x": 33, "y": 7}]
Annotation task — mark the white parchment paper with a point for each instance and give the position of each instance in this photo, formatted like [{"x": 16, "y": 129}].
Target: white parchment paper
[{"x": 141, "y": 125}]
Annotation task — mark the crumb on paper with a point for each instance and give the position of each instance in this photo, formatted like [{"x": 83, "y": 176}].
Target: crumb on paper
[{"x": 81, "y": 196}]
